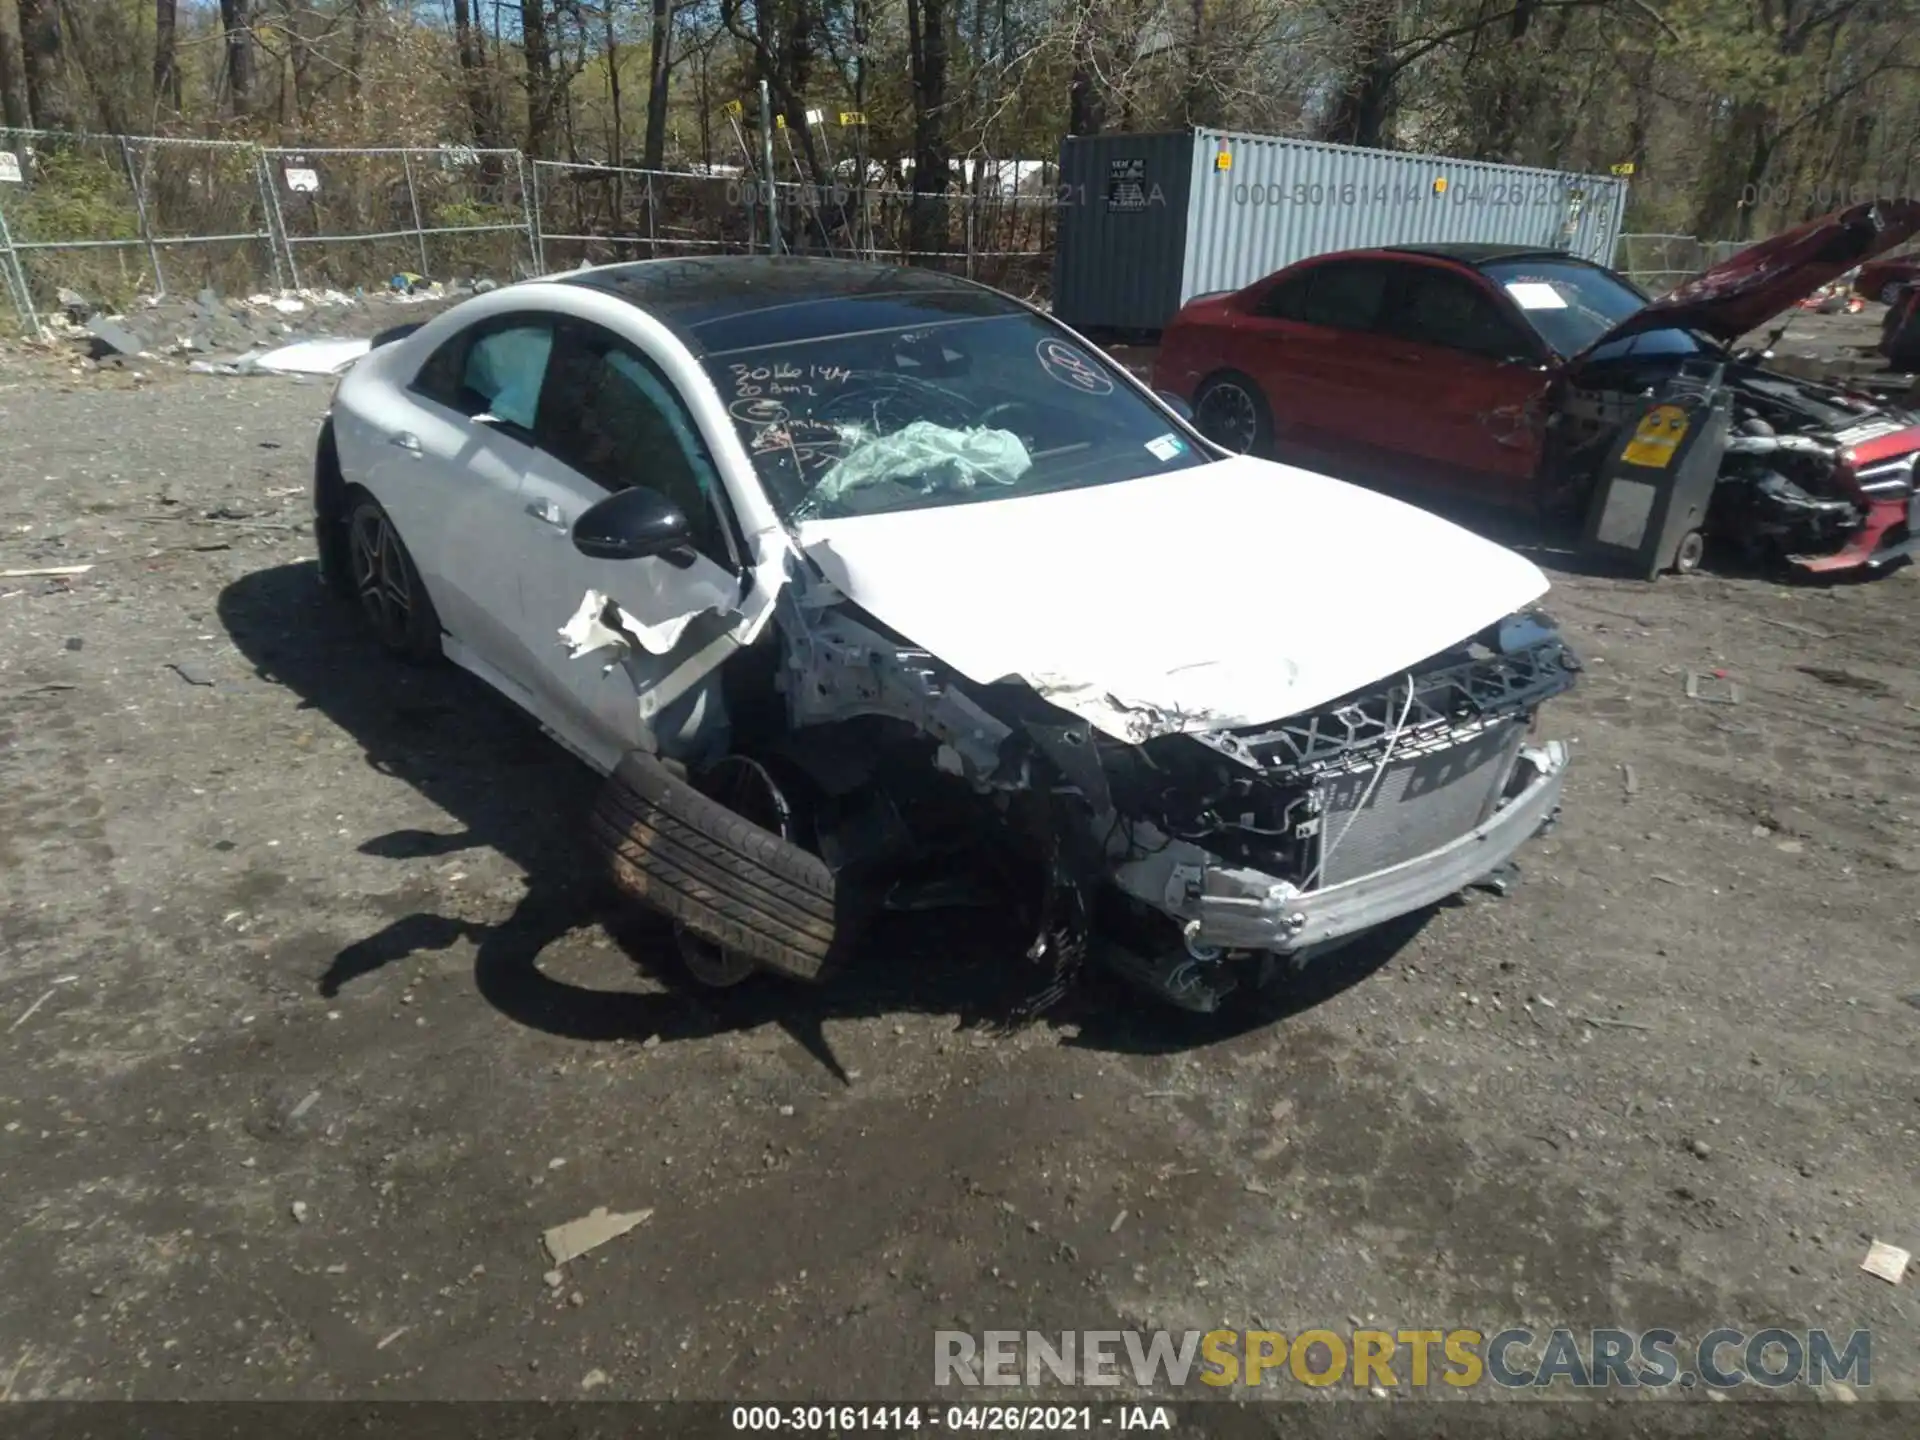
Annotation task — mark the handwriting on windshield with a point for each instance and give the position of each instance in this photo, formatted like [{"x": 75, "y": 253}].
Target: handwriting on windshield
[
  {"x": 812, "y": 444},
  {"x": 785, "y": 380},
  {"x": 1072, "y": 369}
]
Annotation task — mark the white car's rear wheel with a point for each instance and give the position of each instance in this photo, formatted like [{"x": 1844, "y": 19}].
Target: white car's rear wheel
[{"x": 387, "y": 585}]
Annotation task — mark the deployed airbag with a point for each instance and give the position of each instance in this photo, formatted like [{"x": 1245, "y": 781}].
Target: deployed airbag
[{"x": 931, "y": 457}]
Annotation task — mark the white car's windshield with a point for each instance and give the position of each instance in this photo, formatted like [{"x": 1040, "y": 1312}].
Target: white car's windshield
[{"x": 944, "y": 411}]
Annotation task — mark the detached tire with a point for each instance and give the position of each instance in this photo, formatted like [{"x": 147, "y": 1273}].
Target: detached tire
[{"x": 722, "y": 877}]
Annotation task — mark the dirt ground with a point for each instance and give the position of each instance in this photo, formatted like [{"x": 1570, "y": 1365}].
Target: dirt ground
[{"x": 314, "y": 1018}]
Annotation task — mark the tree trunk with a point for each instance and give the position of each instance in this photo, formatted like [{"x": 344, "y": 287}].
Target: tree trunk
[
  {"x": 40, "y": 46},
  {"x": 239, "y": 41},
  {"x": 616, "y": 135},
  {"x": 1086, "y": 109},
  {"x": 539, "y": 62},
  {"x": 357, "y": 58},
  {"x": 706, "y": 115},
  {"x": 15, "y": 113},
  {"x": 1195, "y": 102},
  {"x": 927, "y": 56},
  {"x": 570, "y": 66},
  {"x": 1364, "y": 106},
  {"x": 659, "y": 74},
  {"x": 470, "y": 45},
  {"x": 1737, "y": 161},
  {"x": 166, "y": 60}
]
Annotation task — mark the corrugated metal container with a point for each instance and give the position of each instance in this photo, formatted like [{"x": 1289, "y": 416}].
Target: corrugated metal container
[{"x": 1147, "y": 222}]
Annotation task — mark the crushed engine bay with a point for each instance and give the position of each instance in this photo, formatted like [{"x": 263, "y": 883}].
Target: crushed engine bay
[
  {"x": 920, "y": 786},
  {"x": 1810, "y": 474}
]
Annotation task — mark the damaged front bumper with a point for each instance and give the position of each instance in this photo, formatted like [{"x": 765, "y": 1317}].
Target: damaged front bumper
[
  {"x": 1890, "y": 533},
  {"x": 1245, "y": 910},
  {"x": 1227, "y": 912}
]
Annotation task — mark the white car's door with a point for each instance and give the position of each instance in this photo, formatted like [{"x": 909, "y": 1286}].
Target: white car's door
[
  {"x": 609, "y": 420},
  {"x": 451, "y": 472}
]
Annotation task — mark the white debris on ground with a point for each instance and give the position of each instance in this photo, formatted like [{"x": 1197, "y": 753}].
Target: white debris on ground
[
  {"x": 303, "y": 357},
  {"x": 243, "y": 335},
  {"x": 592, "y": 1230}
]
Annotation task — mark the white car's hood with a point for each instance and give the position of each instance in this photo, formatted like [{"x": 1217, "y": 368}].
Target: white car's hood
[{"x": 1231, "y": 594}]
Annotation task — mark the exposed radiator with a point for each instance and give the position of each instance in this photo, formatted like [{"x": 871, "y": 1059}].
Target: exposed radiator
[{"x": 1423, "y": 800}]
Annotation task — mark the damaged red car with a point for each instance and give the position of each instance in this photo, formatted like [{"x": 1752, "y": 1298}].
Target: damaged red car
[
  {"x": 1532, "y": 379},
  {"x": 1884, "y": 279}
]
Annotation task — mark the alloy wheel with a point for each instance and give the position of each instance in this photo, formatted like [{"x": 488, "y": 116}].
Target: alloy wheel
[
  {"x": 380, "y": 575},
  {"x": 1229, "y": 417}
]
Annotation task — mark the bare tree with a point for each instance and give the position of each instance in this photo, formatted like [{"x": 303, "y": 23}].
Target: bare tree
[
  {"x": 659, "y": 76},
  {"x": 784, "y": 37},
  {"x": 239, "y": 48},
  {"x": 537, "y": 53},
  {"x": 927, "y": 22},
  {"x": 15, "y": 113},
  {"x": 166, "y": 58},
  {"x": 40, "y": 49},
  {"x": 470, "y": 49}
]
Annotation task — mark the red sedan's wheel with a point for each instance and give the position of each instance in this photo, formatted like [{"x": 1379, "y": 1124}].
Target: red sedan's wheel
[
  {"x": 1230, "y": 411},
  {"x": 1890, "y": 292}
]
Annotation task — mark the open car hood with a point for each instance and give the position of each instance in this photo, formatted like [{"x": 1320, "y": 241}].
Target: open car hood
[
  {"x": 1232, "y": 594},
  {"x": 1741, "y": 294}
]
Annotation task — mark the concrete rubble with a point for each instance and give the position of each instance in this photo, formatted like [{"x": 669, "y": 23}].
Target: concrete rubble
[{"x": 231, "y": 335}]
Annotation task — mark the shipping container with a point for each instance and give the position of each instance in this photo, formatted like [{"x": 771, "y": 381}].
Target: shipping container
[{"x": 1147, "y": 222}]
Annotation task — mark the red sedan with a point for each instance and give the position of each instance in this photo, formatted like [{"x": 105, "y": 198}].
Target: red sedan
[{"x": 1504, "y": 374}]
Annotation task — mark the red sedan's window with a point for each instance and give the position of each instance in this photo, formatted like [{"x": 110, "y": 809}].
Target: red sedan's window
[
  {"x": 1349, "y": 295},
  {"x": 1436, "y": 307},
  {"x": 1342, "y": 295}
]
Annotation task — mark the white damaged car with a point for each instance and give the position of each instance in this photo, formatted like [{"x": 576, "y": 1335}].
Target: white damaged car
[{"x": 844, "y": 573}]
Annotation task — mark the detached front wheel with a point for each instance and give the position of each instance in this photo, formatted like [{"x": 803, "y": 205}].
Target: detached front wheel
[{"x": 741, "y": 893}]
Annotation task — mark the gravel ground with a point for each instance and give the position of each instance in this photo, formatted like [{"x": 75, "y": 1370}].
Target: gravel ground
[{"x": 314, "y": 1021}]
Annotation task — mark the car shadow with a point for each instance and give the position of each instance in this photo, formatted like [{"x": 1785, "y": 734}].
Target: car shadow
[{"x": 510, "y": 789}]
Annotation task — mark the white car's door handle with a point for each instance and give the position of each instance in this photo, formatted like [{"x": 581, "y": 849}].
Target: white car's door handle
[
  {"x": 547, "y": 513},
  {"x": 406, "y": 440}
]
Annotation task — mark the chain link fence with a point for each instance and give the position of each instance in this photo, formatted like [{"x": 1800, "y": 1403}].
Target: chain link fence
[
  {"x": 1657, "y": 263},
  {"x": 347, "y": 218},
  {"x": 121, "y": 215},
  {"x": 115, "y": 217},
  {"x": 598, "y": 213}
]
